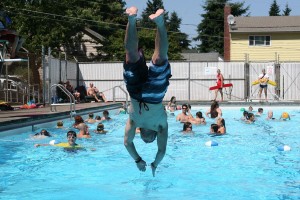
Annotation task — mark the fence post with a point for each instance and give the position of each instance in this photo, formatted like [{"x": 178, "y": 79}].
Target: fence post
[
  {"x": 44, "y": 76},
  {"x": 189, "y": 82},
  {"x": 49, "y": 72},
  {"x": 277, "y": 79},
  {"x": 247, "y": 81},
  {"x": 59, "y": 66}
]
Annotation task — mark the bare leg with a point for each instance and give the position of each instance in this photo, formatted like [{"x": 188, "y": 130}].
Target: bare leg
[
  {"x": 221, "y": 92},
  {"x": 160, "y": 54},
  {"x": 216, "y": 94},
  {"x": 259, "y": 93},
  {"x": 265, "y": 90},
  {"x": 131, "y": 37}
]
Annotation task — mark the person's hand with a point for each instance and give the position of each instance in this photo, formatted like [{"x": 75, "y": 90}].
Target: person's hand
[
  {"x": 141, "y": 165},
  {"x": 153, "y": 167},
  {"x": 37, "y": 145}
]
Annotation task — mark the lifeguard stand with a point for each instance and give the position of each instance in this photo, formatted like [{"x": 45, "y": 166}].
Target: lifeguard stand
[{"x": 5, "y": 83}]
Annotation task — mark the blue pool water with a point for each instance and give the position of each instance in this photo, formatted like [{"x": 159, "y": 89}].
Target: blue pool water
[{"x": 245, "y": 165}]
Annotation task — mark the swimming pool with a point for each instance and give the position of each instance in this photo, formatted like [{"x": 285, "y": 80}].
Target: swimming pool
[{"x": 245, "y": 165}]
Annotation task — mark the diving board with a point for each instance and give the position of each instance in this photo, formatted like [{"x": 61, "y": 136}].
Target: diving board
[{"x": 14, "y": 60}]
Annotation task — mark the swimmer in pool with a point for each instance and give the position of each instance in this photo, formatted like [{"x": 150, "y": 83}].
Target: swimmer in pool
[
  {"x": 147, "y": 88},
  {"x": 259, "y": 113},
  {"x": 42, "y": 134},
  {"x": 285, "y": 116},
  {"x": 251, "y": 118},
  {"x": 71, "y": 135},
  {"x": 214, "y": 128},
  {"x": 221, "y": 125},
  {"x": 91, "y": 119},
  {"x": 187, "y": 127},
  {"x": 270, "y": 115},
  {"x": 100, "y": 129},
  {"x": 60, "y": 124}
]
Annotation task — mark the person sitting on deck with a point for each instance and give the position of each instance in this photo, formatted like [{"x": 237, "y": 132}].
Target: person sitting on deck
[{"x": 92, "y": 91}]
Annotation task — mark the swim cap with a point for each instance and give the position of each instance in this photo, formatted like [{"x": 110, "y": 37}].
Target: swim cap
[
  {"x": 285, "y": 115},
  {"x": 242, "y": 109}
]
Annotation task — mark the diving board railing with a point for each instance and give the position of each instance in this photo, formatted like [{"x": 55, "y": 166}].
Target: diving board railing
[{"x": 71, "y": 98}]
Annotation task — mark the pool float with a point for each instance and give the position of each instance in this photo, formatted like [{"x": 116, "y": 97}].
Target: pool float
[
  {"x": 273, "y": 83},
  {"x": 284, "y": 148},
  {"x": 211, "y": 143},
  {"x": 224, "y": 86},
  {"x": 63, "y": 144}
]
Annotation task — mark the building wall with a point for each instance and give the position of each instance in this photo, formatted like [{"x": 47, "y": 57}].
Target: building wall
[{"x": 284, "y": 47}]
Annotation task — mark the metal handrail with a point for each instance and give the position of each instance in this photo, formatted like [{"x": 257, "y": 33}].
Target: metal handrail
[
  {"x": 71, "y": 97},
  {"x": 122, "y": 89}
]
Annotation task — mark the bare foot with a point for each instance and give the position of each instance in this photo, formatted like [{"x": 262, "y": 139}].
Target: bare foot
[
  {"x": 158, "y": 17},
  {"x": 132, "y": 11}
]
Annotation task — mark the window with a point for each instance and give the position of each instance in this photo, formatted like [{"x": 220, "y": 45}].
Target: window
[{"x": 259, "y": 40}]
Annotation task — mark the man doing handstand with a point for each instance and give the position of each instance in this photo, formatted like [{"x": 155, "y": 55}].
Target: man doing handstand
[{"x": 147, "y": 88}]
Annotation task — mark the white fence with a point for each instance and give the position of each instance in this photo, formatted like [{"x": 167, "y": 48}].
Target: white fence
[{"x": 190, "y": 80}]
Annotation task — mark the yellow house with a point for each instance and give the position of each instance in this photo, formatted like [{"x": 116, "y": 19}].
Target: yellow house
[{"x": 269, "y": 38}]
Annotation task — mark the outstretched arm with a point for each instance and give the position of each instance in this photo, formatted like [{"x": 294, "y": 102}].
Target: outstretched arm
[
  {"x": 128, "y": 142},
  {"x": 162, "y": 138}
]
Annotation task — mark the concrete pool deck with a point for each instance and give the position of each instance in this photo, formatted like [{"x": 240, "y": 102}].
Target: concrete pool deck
[{"x": 27, "y": 117}]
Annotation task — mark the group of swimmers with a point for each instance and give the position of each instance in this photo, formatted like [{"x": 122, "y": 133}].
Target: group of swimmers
[
  {"x": 214, "y": 112},
  {"x": 250, "y": 117},
  {"x": 188, "y": 120},
  {"x": 81, "y": 125}
]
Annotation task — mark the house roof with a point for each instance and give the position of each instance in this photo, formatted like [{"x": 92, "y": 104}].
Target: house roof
[
  {"x": 266, "y": 24},
  {"x": 202, "y": 57},
  {"x": 94, "y": 34}
]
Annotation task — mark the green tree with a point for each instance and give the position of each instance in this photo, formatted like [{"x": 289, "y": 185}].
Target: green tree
[
  {"x": 178, "y": 40},
  {"x": 59, "y": 23},
  {"x": 274, "y": 9},
  {"x": 287, "y": 10},
  {"x": 211, "y": 28}
]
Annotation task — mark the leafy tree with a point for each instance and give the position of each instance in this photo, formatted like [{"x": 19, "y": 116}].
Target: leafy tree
[
  {"x": 211, "y": 28},
  {"x": 178, "y": 40},
  {"x": 60, "y": 23},
  {"x": 287, "y": 10},
  {"x": 274, "y": 9}
]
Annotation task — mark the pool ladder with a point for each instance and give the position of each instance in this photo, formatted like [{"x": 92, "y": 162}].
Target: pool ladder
[
  {"x": 71, "y": 97},
  {"x": 125, "y": 92}
]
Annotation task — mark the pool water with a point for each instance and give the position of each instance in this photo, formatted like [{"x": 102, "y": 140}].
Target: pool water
[{"x": 245, "y": 165}]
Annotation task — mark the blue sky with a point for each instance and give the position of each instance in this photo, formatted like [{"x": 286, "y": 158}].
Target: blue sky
[{"x": 190, "y": 10}]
